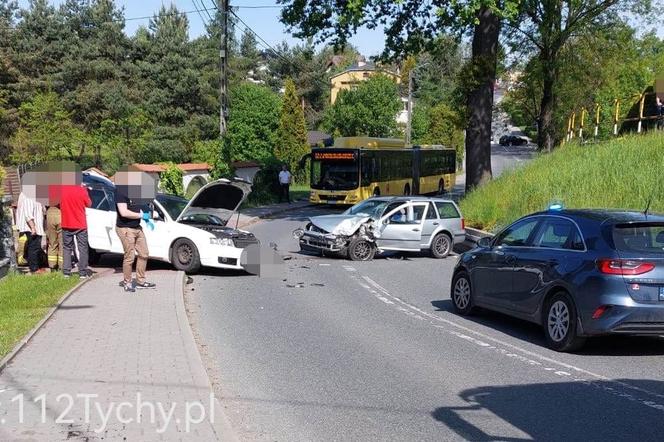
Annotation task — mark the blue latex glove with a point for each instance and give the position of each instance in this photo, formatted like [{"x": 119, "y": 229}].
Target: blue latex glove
[{"x": 148, "y": 222}]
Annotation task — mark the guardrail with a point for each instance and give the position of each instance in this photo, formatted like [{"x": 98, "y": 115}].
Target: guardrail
[{"x": 576, "y": 126}]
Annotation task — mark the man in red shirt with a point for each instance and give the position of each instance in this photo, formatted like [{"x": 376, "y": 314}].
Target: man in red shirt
[{"x": 73, "y": 201}]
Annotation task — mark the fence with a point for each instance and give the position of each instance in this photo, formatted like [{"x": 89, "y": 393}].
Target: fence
[{"x": 643, "y": 114}]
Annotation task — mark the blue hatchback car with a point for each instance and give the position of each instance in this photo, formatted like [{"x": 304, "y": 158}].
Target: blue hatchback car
[{"x": 577, "y": 273}]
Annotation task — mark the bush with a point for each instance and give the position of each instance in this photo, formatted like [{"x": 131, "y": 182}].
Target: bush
[
  {"x": 170, "y": 180},
  {"x": 620, "y": 173}
]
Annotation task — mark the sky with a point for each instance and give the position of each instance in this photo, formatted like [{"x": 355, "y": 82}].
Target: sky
[{"x": 264, "y": 21}]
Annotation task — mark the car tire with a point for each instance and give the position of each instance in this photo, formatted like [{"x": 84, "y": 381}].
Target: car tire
[
  {"x": 462, "y": 294},
  {"x": 185, "y": 256},
  {"x": 376, "y": 191},
  {"x": 93, "y": 256},
  {"x": 560, "y": 324},
  {"x": 360, "y": 249},
  {"x": 441, "y": 187},
  {"x": 441, "y": 246},
  {"x": 406, "y": 190}
]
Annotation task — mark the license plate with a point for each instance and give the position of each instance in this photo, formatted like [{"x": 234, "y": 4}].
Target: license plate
[{"x": 661, "y": 293}]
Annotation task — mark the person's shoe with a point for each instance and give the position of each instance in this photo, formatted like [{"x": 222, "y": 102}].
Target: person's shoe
[
  {"x": 145, "y": 285},
  {"x": 66, "y": 275},
  {"x": 128, "y": 287},
  {"x": 83, "y": 275}
]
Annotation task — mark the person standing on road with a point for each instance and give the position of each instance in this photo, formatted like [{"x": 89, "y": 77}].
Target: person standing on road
[
  {"x": 285, "y": 179},
  {"x": 128, "y": 198},
  {"x": 73, "y": 202},
  {"x": 30, "y": 222}
]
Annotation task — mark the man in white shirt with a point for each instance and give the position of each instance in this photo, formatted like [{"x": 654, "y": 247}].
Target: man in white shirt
[
  {"x": 284, "y": 183},
  {"x": 30, "y": 222}
]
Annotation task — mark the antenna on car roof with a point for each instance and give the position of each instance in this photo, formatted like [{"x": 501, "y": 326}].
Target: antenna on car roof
[{"x": 645, "y": 212}]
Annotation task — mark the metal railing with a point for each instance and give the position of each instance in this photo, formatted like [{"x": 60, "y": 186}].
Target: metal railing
[{"x": 576, "y": 122}]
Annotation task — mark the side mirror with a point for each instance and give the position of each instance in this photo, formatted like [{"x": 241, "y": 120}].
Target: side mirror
[{"x": 484, "y": 242}]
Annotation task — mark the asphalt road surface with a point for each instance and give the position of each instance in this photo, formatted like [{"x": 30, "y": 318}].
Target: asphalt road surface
[{"x": 337, "y": 350}]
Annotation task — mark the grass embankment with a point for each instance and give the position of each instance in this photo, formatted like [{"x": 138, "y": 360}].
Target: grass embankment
[
  {"x": 621, "y": 173},
  {"x": 24, "y": 300}
]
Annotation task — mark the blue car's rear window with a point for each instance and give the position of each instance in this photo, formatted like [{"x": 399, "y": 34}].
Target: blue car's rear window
[{"x": 640, "y": 237}]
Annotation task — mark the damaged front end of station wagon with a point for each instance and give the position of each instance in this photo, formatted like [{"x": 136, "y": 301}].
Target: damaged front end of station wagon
[{"x": 340, "y": 234}]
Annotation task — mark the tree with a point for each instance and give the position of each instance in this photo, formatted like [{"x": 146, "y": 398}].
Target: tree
[
  {"x": 253, "y": 123},
  {"x": 292, "y": 135},
  {"x": 368, "y": 110},
  {"x": 547, "y": 26},
  {"x": 412, "y": 26},
  {"x": 46, "y": 132},
  {"x": 170, "y": 180},
  {"x": 439, "y": 124}
]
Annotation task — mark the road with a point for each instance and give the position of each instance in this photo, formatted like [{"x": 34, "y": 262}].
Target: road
[{"x": 338, "y": 350}]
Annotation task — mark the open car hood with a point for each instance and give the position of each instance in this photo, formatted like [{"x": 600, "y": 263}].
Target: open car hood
[
  {"x": 339, "y": 224},
  {"x": 220, "y": 198}
]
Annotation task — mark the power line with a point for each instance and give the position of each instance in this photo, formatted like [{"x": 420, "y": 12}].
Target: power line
[{"x": 199, "y": 12}]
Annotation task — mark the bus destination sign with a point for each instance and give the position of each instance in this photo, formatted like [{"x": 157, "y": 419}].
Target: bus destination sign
[{"x": 337, "y": 156}]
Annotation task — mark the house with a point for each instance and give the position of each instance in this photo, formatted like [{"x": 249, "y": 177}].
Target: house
[
  {"x": 355, "y": 74},
  {"x": 246, "y": 170},
  {"x": 194, "y": 175},
  {"x": 316, "y": 138}
]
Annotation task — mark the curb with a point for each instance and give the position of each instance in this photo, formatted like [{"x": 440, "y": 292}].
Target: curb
[
  {"x": 472, "y": 238},
  {"x": 28, "y": 337},
  {"x": 221, "y": 424}
]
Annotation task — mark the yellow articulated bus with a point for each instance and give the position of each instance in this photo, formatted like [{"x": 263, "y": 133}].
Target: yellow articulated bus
[{"x": 357, "y": 168}]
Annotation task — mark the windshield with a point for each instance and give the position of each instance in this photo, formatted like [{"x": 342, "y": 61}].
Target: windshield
[
  {"x": 172, "y": 204},
  {"x": 372, "y": 208},
  {"x": 639, "y": 238},
  {"x": 334, "y": 170}
]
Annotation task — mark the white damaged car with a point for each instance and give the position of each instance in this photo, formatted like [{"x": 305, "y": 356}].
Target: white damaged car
[
  {"x": 187, "y": 234},
  {"x": 386, "y": 223}
]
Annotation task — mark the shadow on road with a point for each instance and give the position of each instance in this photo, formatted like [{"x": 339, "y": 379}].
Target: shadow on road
[
  {"x": 562, "y": 411},
  {"x": 616, "y": 345}
]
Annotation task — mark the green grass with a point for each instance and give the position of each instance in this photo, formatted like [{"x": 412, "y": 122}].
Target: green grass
[
  {"x": 620, "y": 173},
  {"x": 258, "y": 198},
  {"x": 24, "y": 300}
]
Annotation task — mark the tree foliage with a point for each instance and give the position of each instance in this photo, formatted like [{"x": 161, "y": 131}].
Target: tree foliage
[
  {"x": 291, "y": 144},
  {"x": 370, "y": 109},
  {"x": 170, "y": 180}
]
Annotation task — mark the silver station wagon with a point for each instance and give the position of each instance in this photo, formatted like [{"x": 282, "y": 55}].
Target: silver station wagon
[{"x": 386, "y": 223}]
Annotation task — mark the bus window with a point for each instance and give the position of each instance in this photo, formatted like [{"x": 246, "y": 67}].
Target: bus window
[{"x": 334, "y": 170}]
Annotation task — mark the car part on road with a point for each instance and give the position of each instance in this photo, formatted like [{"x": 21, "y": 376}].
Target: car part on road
[{"x": 184, "y": 256}]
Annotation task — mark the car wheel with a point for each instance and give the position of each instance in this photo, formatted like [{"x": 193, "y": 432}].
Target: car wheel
[
  {"x": 406, "y": 190},
  {"x": 376, "y": 191},
  {"x": 560, "y": 323},
  {"x": 93, "y": 256},
  {"x": 441, "y": 187},
  {"x": 462, "y": 294},
  {"x": 361, "y": 250},
  {"x": 441, "y": 246},
  {"x": 184, "y": 256}
]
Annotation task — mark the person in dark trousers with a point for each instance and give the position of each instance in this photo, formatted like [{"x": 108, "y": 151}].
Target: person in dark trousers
[
  {"x": 285, "y": 179},
  {"x": 30, "y": 222},
  {"x": 74, "y": 199}
]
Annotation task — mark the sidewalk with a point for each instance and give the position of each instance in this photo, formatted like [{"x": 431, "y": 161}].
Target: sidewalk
[
  {"x": 255, "y": 214},
  {"x": 113, "y": 366}
]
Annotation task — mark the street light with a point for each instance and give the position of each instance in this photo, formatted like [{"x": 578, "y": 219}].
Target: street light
[{"x": 409, "y": 122}]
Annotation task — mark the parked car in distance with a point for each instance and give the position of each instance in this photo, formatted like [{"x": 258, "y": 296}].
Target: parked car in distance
[
  {"x": 577, "y": 273},
  {"x": 513, "y": 140},
  {"x": 187, "y": 234},
  {"x": 386, "y": 223}
]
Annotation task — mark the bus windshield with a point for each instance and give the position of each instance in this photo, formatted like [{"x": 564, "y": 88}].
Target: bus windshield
[{"x": 334, "y": 171}]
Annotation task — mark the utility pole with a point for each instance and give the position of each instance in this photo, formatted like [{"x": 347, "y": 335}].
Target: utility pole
[
  {"x": 224, "y": 8},
  {"x": 409, "y": 123}
]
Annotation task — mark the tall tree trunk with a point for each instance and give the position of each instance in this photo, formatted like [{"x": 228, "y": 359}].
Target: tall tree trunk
[
  {"x": 480, "y": 99},
  {"x": 546, "y": 128}
]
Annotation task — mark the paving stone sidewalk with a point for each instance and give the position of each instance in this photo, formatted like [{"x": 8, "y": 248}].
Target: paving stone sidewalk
[{"x": 121, "y": 358}]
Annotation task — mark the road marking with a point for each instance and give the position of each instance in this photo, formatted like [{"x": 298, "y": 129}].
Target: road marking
[
  {"x": 481, "y": 342},
  {"x": 349, "y": 268}
]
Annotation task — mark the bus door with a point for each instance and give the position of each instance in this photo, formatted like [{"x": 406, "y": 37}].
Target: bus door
[{"x": 417, "y": 161}]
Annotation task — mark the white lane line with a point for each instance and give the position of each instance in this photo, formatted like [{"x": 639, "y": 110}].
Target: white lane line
[
  {"x": 512, "y": 346},
  {"x": 349, "y": 268}
]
